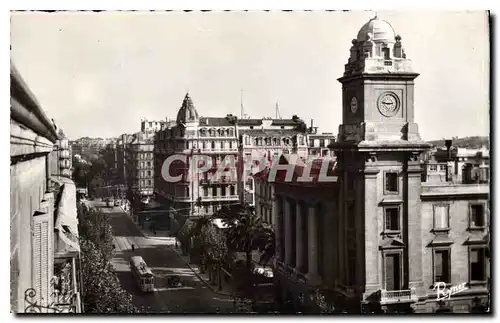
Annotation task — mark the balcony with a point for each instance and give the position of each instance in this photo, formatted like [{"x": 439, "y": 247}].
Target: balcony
[
  {"x": 219, "y": 198},
  {"x": 398, "y": 296}
]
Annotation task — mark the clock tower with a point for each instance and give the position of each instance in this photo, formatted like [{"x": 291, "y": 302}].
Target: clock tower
[{"x": 378, "y": 151}]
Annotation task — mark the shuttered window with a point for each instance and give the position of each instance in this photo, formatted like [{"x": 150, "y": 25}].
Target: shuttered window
[
  {"x": 440, "y": 216},
  {"x": 42, "y": 257}
]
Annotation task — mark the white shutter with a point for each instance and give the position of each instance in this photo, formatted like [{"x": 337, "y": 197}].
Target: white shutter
[
  {"x": 42, "y": 257},
  {"x": 440, "y": 216}
]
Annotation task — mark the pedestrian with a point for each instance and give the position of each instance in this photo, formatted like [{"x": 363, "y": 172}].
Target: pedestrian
[{"x": 133, "y": 247}]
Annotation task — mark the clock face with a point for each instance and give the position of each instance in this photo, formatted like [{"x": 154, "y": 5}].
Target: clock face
[
  {"x": 354, "y": 104},
  {"x": 388, "y": 104}
]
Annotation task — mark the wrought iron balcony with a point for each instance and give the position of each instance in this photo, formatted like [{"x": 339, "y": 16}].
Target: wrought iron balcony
[{"x": 398, "y": 296}]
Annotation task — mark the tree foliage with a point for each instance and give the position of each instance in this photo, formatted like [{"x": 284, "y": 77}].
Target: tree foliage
[
  {"x": 246, "y": 232},
  {"x": 102, "y": 292}
]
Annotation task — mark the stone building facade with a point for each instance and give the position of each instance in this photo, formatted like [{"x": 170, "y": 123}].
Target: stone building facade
[
  {"x": 35, "y": 215},
  {"x": 62, "y": 157},
  {"x": 140, "y": 163},
  {"x": 263, "y": 139},
  {"x": 196, "y": 138},
  {"x": 392, "y": 234}
]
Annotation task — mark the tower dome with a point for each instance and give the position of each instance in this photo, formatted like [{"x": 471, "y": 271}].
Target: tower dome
[
  {"x": 187, "y": 112},
  {"x": 376, "y": 30}
]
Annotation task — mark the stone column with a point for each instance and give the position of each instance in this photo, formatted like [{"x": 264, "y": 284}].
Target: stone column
[
  {"x": 278, "y": 214},
  {"x": 299, "y": 243},
  {"x": 312, "y": 224},
  {"x": 288, "y": 233}
]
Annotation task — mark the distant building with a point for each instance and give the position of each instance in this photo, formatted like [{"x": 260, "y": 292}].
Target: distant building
[
  {"x": 140, "y": 163},
  {"x": 193, "y": 136},
  {"x": 44, "y": 252},
  {"x": 89, "y": 146},
  {"x": 219, "y": 138},
  {"x": 262, "y": 139},
  {"x": 318, "y": 144},
  {"x": 148, "y": 126},
  {"x": 61, "y": 157}
]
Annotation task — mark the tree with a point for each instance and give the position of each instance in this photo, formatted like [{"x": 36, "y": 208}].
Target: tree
[
  {"x": 103, "y": 292},
  {"x": 246, "y": 233}
]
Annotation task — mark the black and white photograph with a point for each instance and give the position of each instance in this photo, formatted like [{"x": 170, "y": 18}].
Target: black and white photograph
[{"x": 278, "y": 162}]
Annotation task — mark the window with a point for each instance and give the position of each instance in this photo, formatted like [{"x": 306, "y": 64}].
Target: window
[
  {"x": 392, "y": 268},
  {"x": 391, "y": 182},
  {"x": 322, "y": 142},
  {"x": 441, "y": 217},
  {"x": 442, "y": 269},
  {"x": 477, "y": 264},
  {"x": 442, "y": 168},
  {"x": 213, "y": 144},
  {"x": 477, "y": 218},
  {"x": 392, "y": 218},
  {"x": 149, "y": 164},
  {"x": 149, "y": 173},
  {"x": 433, "y": 168},
  {"x": 205, "y": 191},
  {"x": 149, "y": 182}
]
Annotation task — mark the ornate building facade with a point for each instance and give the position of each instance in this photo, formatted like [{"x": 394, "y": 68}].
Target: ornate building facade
[
  {"x": 390, "y": 234},
  {"x": 192, "y": 137}
]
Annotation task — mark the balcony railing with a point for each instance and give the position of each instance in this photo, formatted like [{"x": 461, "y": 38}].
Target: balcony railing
[
  {"x": 398, "y": 296},
  {"x": 219, "y": 197}
]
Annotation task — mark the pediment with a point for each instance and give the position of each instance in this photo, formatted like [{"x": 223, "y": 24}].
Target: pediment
[{"x": 392, "y": 243}]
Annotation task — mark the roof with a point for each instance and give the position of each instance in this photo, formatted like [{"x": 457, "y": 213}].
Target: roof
[
  {"x": 249, "y": 122},
  {"x": 286, "y": 122},
  {"x": 187, "y": 112},
  {"x": 299, "y": 167},
  {"x": 215, "y": 121},
  {"x": 267, "y": 132},
  {"x": 376, "y": 29}
]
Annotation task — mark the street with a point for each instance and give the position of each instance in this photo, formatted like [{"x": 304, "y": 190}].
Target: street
[{"x": 196, "y": 297}]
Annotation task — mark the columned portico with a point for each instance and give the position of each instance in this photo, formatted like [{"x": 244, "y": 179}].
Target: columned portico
[
  {"x": 288, "y": 232},
  {"x": 299, "y": 244},
  {"x": 312, "y": 223},
  {"x": 278, "y": 206}
]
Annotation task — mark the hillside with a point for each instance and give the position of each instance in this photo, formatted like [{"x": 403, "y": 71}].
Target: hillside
[{"x": 466, "y": 142}]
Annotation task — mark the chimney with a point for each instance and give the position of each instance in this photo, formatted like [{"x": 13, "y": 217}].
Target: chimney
[{"x": 447, "y": 143}]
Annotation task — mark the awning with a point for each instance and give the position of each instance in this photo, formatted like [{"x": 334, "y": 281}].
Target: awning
[{"x": 66, "y": 220}]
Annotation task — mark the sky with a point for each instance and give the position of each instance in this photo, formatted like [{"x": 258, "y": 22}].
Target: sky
[{"x": 98, "y": 74}]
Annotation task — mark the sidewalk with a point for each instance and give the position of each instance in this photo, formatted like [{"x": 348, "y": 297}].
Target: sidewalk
[{"x": 226, "y": 288}]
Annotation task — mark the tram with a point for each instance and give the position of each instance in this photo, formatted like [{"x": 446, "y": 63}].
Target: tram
[{"x": 143, "y": 275}]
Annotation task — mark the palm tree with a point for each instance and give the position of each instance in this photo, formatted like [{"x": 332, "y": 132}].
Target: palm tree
[{"x": 246, "y": 232}]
